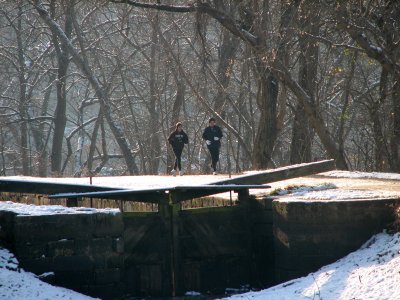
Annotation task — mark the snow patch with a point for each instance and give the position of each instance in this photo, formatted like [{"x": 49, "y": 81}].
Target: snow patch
[
  {"x": 38, "y": 210},
  {"x": 367, "y": 175}
]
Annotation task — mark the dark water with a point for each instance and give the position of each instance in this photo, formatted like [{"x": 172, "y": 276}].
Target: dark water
[
  {"x": 228, "y": 292},
  {"x": 201, "y": 297},
  {"x": 178, "y": 298}
]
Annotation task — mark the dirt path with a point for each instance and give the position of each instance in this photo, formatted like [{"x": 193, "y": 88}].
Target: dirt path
[{"x": 342, "y": 183}]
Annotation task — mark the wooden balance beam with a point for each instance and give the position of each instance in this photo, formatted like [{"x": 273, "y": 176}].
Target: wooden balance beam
[
  {"x": 173, "y": 194},
  {"x": 240, "y": 184}
]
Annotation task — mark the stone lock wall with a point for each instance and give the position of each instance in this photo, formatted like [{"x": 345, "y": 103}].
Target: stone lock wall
[
  {"x": 312, "y": 234},
  {"x": 112, "y": 255},
  {"x": 84, "y": 251}
]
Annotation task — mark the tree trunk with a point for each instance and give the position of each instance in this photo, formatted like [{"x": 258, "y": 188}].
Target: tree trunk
[
  {"x": 302, "y": 136},
  {"x": 266, "y": 135},
  {"x": 23, "y": 101},
  {"x": 267, "y": 97},
  {"x": 154, "y": 128},
  {"x": 134, "y": 123},
  {"x": 93, "y": 142},
  {"x": 225, "y": 67},
  {"x": 60, "y": 118},
  {"x": 40, "y": 133},
  {"x": 395, "y": 141},
  {"x": 346, "y": 103},
  {"x": 314, "y": 116},
  {"x": 383, "y": 159},
  {"x": 300, "y": 150},
  {"x": 300, "y": 147}
]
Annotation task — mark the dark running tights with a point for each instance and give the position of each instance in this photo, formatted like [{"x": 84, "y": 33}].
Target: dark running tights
[
  {"x": 214, "y": 157},
  {"x": 178, "y": 154}
]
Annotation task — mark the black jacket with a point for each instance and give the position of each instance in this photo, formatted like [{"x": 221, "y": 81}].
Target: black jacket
[
  {"x": 210, "y": 133},
  {"x": 178, "y": 139}
]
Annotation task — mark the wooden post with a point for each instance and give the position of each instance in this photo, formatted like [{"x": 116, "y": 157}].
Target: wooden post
[
  {"x": 243, "y": 195},
  {"x": 175, "y": 249},
  {"x": 91, "y": 182},
  {"x": 172, "y": 264},
  {"x": 165, "y": 214},
  {"x": 72, "y": 202},
  {"x": 245, "y": 206}
]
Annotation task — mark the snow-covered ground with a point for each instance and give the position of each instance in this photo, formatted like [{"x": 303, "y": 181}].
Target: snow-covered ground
[
  {"x": 16, "y": 284},
  {"x": 366, "y": 175},
  {"x": 372, "y": 272},
  {"x": 131, "y": 182},
  {"x": 330, "y": 192},
  {"x": 36, "y": 210},
  {"x": 151, "y": 181}
]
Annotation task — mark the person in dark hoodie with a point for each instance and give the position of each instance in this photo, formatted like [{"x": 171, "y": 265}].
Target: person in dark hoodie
[
  {"x": 212, "y": 135},
  {"x": 178, "y": 138}
]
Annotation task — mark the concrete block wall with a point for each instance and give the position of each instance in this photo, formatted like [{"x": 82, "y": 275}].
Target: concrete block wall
[
  {"x": 84, "y": 251},
  {"x": 312, "y": 234}
]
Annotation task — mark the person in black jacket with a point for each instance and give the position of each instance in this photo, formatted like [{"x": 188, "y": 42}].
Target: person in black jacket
[
  {"x": 178, "y": 139},
  {"x": 212, "y": 135}
]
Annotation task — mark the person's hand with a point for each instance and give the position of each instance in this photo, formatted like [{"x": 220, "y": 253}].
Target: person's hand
[
  {"x": 216, "y": 138},
  {"x": 208, "y": 142}
]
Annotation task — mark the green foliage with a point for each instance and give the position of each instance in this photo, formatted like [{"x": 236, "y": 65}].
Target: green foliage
[{"x": 344, "y": 117}]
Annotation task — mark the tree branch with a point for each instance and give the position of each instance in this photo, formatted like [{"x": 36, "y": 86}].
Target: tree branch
[
  {"x": 157, "y": 6},
  {"x": 357, "y": 34},
  {"x": 235, "y": 27}
]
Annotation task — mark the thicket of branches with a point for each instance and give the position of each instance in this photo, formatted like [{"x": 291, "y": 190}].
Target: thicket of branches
[{"x": 95, "y": 87}]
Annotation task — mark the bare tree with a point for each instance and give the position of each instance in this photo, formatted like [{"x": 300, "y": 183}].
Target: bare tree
[
  {"x": 99, "y": 87},
  {"x": 100, "y": 91},
  {"x": 270, "y": 67},
  {"x": 376, "y": 30}
]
